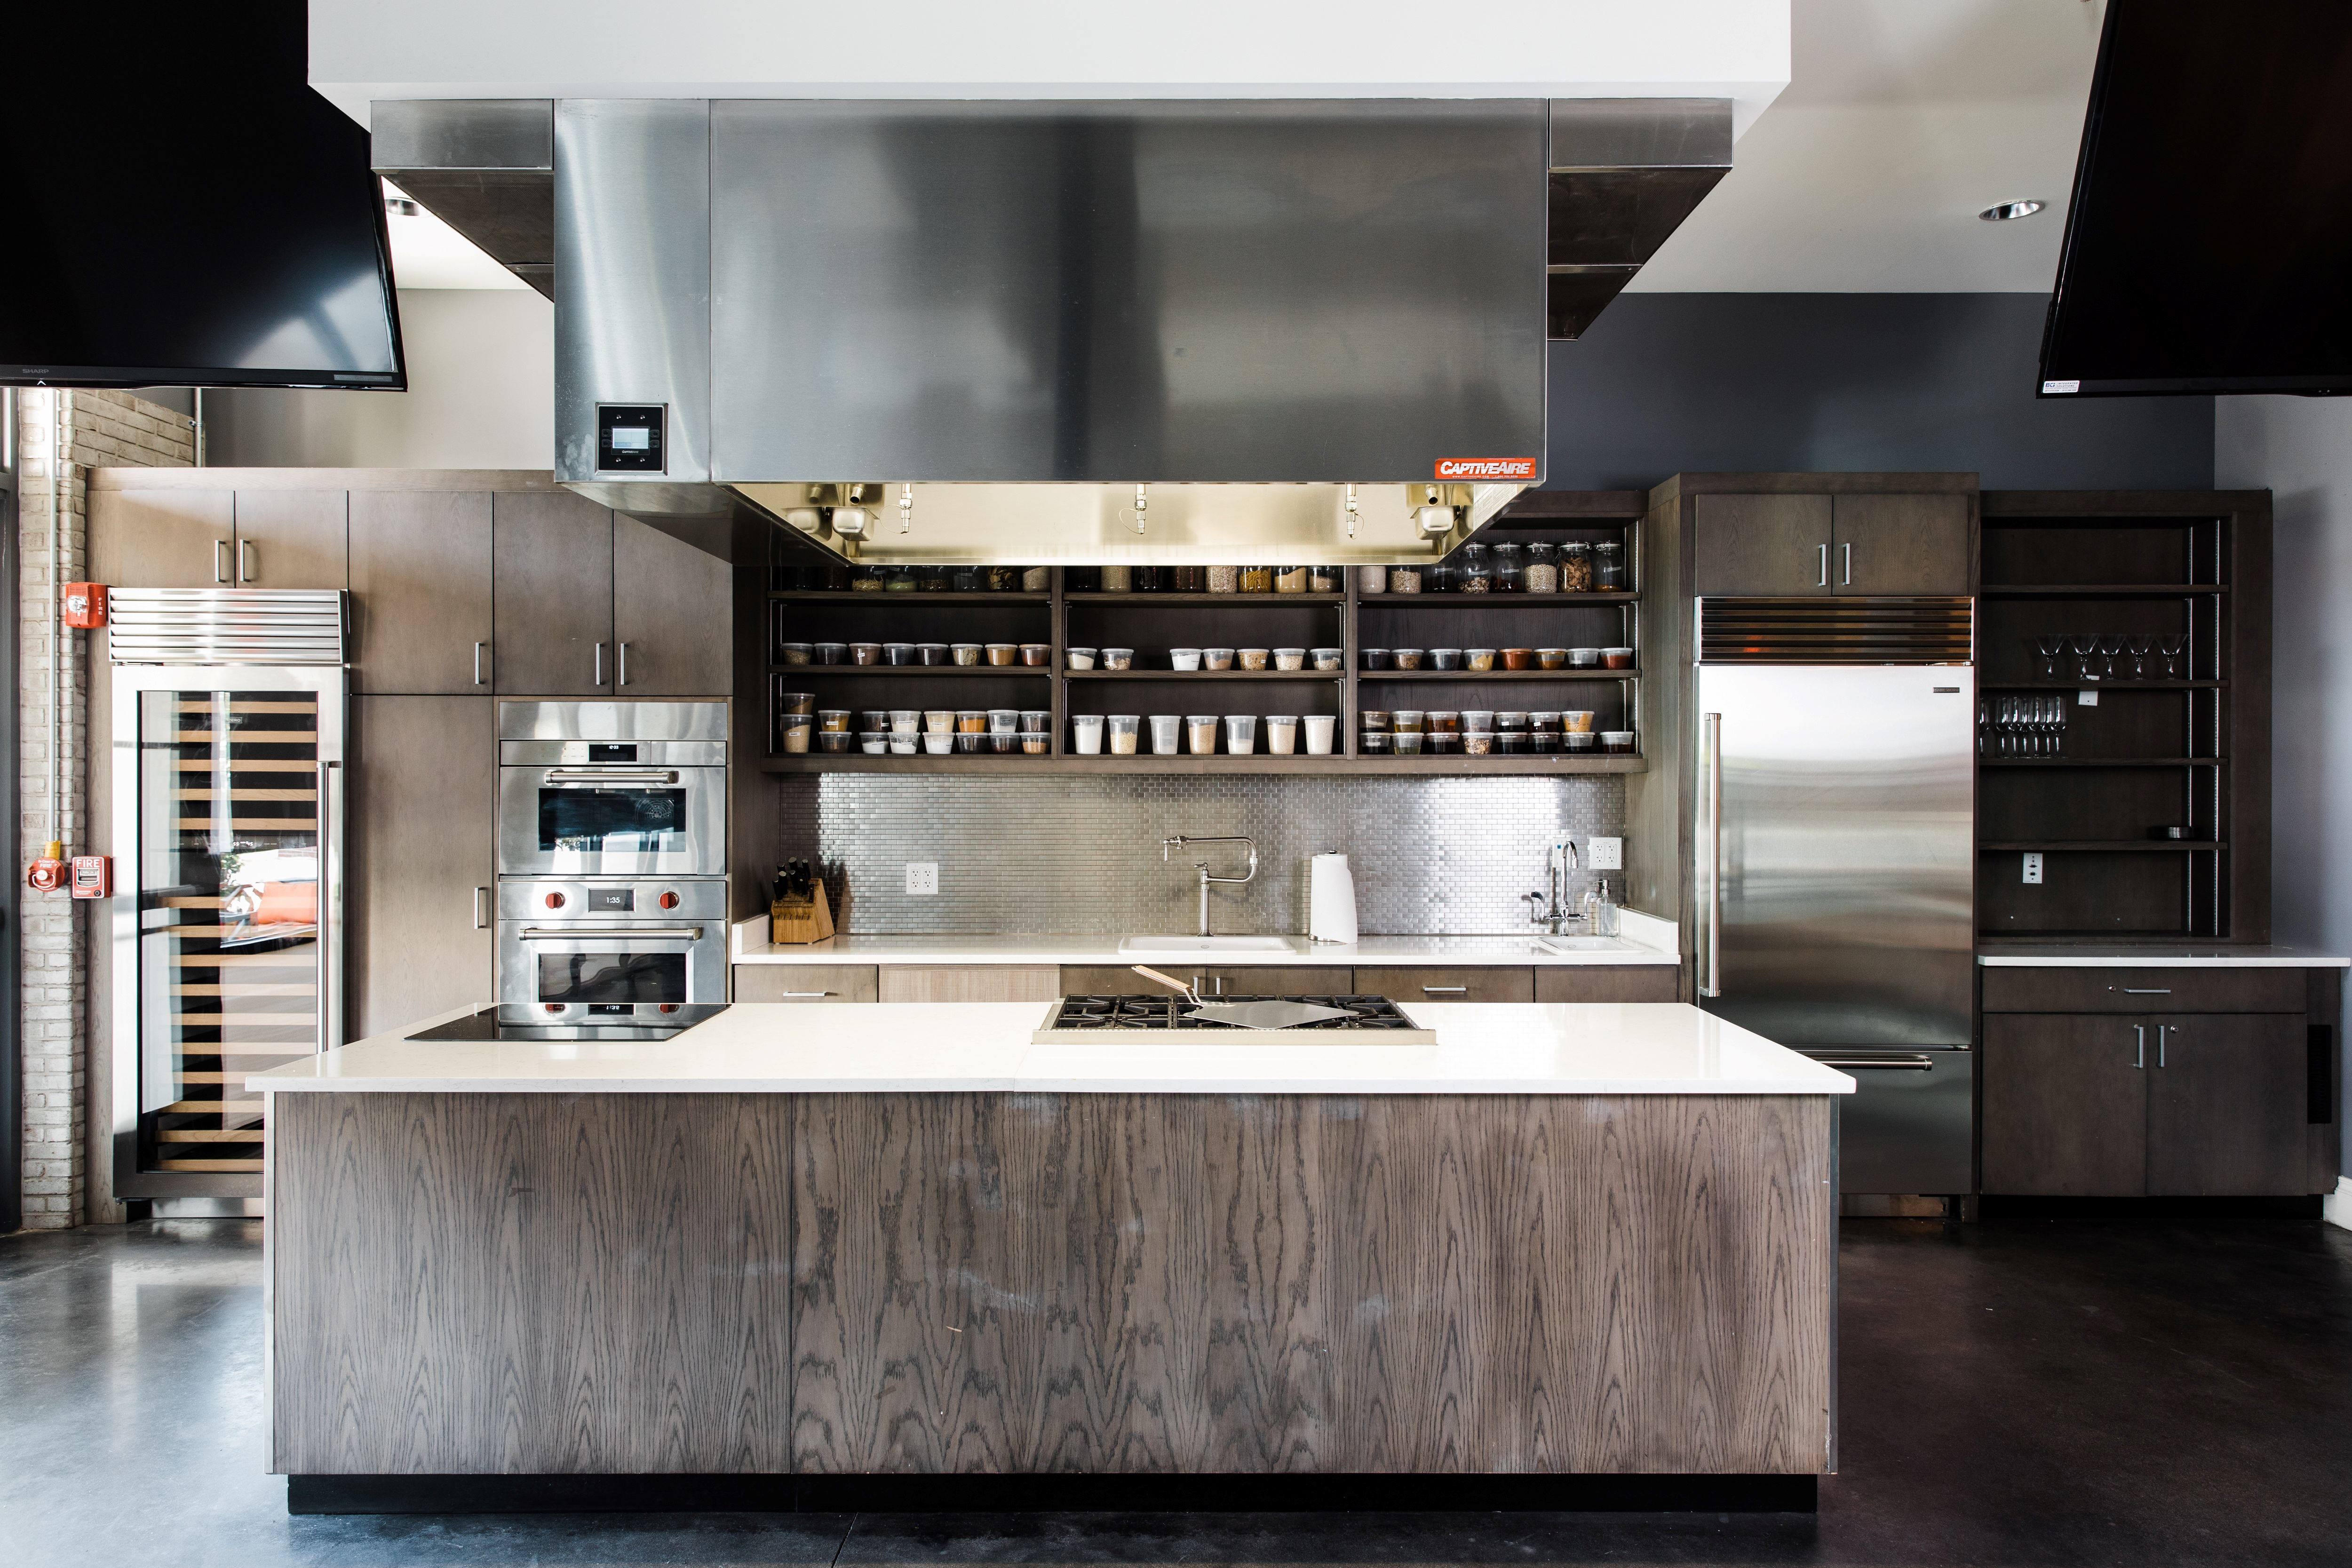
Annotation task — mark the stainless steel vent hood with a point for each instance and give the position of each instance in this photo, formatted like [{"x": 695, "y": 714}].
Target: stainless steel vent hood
[{"x": 1056, "y": 331}]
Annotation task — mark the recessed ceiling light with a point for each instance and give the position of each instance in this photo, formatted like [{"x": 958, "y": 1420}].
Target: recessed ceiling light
[{"x": 2008, "y": 210}]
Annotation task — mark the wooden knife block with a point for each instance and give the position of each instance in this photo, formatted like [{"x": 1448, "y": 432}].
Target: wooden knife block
[{"x": 793, "y": 922}]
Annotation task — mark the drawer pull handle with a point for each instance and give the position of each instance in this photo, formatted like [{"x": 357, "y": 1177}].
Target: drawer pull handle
[
  {"x": 804, "y": 996},
  {"x": 2148, "y": 990},
  {"x": 1445, "y": 991}
]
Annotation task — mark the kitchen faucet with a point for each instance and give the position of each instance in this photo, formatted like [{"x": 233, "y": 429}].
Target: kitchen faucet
[
  {"x": 1551, "y": 909},
  {"x": 1180, "y": 840}
]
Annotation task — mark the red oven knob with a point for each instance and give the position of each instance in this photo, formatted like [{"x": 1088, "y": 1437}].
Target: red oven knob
[
  {"x": 668, "y": 1007},
  {"x": 552, "y": 1006},
  {"x": 669, "y": 900},
  {"x": 555, "y": 901}
]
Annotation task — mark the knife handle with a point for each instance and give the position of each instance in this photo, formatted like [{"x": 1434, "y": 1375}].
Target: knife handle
[{"x": 1169, "y": 981}]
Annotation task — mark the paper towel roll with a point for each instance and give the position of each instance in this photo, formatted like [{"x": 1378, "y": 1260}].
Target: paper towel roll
[{"x": 1330, "y": 900}]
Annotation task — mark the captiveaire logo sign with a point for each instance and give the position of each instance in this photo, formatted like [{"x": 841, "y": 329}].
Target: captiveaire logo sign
[{"x": 1485, "y": 468}]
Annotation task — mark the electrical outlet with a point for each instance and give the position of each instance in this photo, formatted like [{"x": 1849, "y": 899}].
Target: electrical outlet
[
  {"x": 922, "y": 879},
  {"x": 2086, "y": 699},
  {"x": 1604, "y": 854},
  {"x": 2033, "y": 869}
]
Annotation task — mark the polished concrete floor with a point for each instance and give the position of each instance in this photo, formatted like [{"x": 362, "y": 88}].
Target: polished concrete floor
[{"x": 2020, "y": 1392}]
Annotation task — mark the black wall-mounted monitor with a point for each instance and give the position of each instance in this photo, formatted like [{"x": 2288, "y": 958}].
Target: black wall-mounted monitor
[
  {"x": 184, "y": 209},
  {"x": 2208, "y": 246}
]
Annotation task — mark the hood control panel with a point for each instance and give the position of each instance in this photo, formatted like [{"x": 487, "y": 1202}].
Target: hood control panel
[{"x": 629, "y": 438}]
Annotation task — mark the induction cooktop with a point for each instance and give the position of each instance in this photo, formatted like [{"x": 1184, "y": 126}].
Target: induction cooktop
[{"x": 574, "y": 1021}]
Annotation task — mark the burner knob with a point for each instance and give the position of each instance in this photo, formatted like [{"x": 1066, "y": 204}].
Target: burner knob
[
  {"x": 555, "y": 901},
  {"x": 669, "y": 900},
  {"x": 668, "y": 1007},
  {"x": 552, "y": 1006}
]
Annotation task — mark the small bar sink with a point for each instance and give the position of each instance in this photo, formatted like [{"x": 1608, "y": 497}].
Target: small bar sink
[
  {"x": 1146, "y": 946},
  {"x": 1587, "y": 944}
]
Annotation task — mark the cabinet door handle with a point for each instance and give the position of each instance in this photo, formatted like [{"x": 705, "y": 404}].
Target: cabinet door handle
[
  {"x": 2148, "y": 990},
  {"x": 481, "y": 908},
  {"x": 248, "y": 561},
  {"x": 600, "y": 665},
  {"x": 2139, "y": 1034},
  {"x": 1445, "y": 991},
  {"x": 624, "y": 664},
  {"x": 804, "y": 996},
  {"x": 2159, "y": 1043},
  {"x": 480, "y": 650},
  {"x": 1847, "y": 551},
  {"x": 1825, "y": 568}
]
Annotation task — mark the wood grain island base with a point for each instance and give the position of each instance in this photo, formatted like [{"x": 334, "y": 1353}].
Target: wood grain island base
[{"x": 1028, "y": 1284}]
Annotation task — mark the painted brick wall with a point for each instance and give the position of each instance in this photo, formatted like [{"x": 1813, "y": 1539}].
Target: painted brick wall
[{"x": 113, "y": 429}]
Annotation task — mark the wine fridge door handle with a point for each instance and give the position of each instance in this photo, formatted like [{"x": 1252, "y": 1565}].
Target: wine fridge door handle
[
  {"x": 1825, "y": 568},
  {"x": 1711, "y": 847},
  {"x": 331, "y": 906},
  {"x": 220, "y": 561},
  {"x": 248, "y": 562}
]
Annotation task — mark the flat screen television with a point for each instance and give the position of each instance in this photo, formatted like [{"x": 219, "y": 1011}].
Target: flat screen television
[
  {"x": 2208, "y": 246},
  {"x": 183, "y": 210}
]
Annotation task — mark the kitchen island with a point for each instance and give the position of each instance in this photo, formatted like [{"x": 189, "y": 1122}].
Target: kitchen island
[{"x": 905, "y": 1241}]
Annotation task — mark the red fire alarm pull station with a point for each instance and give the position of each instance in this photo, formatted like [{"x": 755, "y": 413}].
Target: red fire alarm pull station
[
  {"x": 93, "y": 876},
  {"x": 85, "y": 605}
]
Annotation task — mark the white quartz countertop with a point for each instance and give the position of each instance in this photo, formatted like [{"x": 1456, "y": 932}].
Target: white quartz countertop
[
  {"x": 2251, "y": 957},
  {"x": 1661, "y": 1048},
  {"x": 1644, "y": 940}
]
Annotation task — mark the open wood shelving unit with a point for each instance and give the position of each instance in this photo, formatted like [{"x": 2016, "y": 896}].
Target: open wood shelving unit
[
  {"x": 2192, "y": 751},
  {"x": 1153, "y": 623}
]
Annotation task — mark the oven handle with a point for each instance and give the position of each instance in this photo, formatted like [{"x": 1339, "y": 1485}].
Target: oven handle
[
  {"x": 608, "y": 933},
  {"x": 1915, "y": 1063},
  {"x": 612, "y": 775}
]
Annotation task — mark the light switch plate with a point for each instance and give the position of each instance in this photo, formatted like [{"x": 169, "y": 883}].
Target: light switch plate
[
  {"x": 1604, "y": 854},
  {"x": 922, "y": 879},
  {"x": 2033, "y": 869}
]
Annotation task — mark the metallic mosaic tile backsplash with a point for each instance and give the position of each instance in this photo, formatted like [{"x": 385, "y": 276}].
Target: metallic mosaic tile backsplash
[{"x": 1430, "y": 856}]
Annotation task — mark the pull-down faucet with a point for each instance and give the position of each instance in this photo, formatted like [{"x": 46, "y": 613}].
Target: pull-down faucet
[
  {"x": 1551, "y": 909},
  {"x": 1180, "y": 840}
]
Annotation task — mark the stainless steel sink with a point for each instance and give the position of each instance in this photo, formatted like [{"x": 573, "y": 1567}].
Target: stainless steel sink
[
  {"x": 1189, "y": 946},
  {"x": 1588, "y": 944}
]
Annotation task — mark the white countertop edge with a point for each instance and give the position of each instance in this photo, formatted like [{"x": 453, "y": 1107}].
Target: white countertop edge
[
  {"x": 1654, "y": 942},
  {"x": 2254, "y": 958},
  {"x": 1564, "y": 1088}
]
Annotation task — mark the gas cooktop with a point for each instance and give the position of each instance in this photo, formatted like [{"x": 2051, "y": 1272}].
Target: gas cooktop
[{"x": 1370, "y": 1020}]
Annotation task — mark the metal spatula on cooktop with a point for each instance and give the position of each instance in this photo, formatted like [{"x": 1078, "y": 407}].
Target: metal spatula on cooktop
[{"x": 1270, "y": 1013}]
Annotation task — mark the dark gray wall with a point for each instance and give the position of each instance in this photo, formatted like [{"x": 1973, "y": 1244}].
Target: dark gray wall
[{"x": 1669, "y": 384}]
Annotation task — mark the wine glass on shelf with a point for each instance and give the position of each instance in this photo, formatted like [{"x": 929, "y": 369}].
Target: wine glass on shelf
[
  {"x": 2056, "y": 719},
  {"x": 2140, "y": 649},
  {"x": 2111, "y": 649},
  {"x": 2169, "y": 649},
  {"x": 2086, "y": 648},
  {"x": 2050, "y": 645}
]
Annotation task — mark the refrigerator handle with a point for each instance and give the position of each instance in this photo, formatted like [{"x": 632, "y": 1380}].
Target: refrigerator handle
[
  {"x": 1711, "y": 847},
  {"x": 331, "y": 906}
]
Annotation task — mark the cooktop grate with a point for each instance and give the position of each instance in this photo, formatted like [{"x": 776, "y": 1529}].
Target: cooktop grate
[{"x": 1374, "y": 1015}]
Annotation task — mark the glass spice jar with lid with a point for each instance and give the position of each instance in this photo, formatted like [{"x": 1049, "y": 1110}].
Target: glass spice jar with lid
[
  {"x": 900, "y": 581},
  {"x": 1510, "y": 569},
  {"x": 1257, "y": 578},
  {"x": 1322, "y": 578},
  {"x": 1004, "y": 579},
  {"x": 933, "y": 579},
  {"x": 1576, "y": 567},
  {"x": 1608, "y": 567},
  {"x": 1187, "y": 579},
  {"x": 1290, "y": 579},
  {"x": 1441, "y": 577},
  {"x": 1477, "y": 572},
  {"x": 1147, "y": 579},
  {"x": 1404, "y": 580},
  {"x": 1224, "y": 579},
  {"x": 1543, "y": 569}
]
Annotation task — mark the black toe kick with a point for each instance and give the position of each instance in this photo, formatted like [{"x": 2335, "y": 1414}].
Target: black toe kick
[{"x": 1049, "y": 1494}]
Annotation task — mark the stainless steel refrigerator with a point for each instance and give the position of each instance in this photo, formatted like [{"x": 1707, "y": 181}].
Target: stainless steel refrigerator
[
  {"x": 227, "y": 784},
  {"x": 1834, "y": 861}
]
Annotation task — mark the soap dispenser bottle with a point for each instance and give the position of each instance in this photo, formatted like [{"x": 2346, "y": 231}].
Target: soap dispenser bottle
[{"x": 1600, "y": 910}]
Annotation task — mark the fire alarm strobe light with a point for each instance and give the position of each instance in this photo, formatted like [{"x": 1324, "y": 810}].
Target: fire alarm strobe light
[
  {"x": 49, "y": 873},
  {"x": 85, "y": 605}
]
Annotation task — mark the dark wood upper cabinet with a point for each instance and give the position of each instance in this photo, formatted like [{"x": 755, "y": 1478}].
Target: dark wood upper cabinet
[
  {"x": 2065, "y": 1104},
  {"x": 672, "y": 614},
  {"x": 2227, "y": 1097},
  {"x": 421, "y": 592},
  {"x": 293, "y": 538},
  {"x": 161, "y": 538},
  {"x": 1900, "y": 545},
  {"x": 552, "y": 586},
  {"x": 1761, "y": 546}
]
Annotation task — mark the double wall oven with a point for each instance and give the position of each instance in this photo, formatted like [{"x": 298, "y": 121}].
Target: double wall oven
[{"x": 612, "y": 898}]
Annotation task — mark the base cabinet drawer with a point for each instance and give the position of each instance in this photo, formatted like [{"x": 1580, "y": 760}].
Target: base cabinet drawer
[
  {"x": 1610, "y": 983},
  {"x": 2008, "y": 990},
  {"x": 971, "y": 982},
  {"x": 1419, "y": 985},
  {"x": 805, "y": 983},
  {"x": 1256, "y": 980}
]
